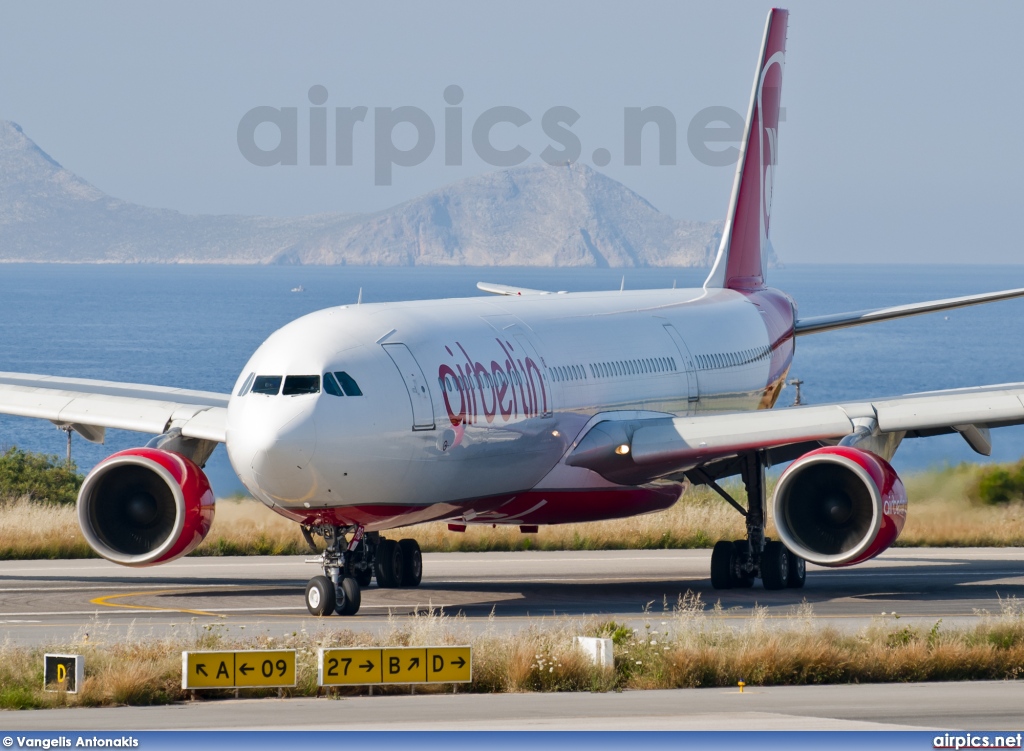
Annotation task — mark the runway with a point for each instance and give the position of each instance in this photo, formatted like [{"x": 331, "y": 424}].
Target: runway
[
  {"x": 56, "y": 602},
  {"x": 989, "y": 705}
]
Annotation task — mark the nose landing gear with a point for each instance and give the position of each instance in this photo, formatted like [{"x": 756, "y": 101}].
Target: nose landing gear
[{"x": 350, "y": 564}]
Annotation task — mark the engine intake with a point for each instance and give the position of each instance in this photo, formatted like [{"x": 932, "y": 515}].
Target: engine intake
[
  {"x": 837, "y": 506},
  {"x": 145, "y": 506}
]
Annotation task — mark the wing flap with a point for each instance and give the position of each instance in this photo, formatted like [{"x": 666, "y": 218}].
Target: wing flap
[
  {"x": 208, "y": 425},
  {"x": 113, "y": 388},
  {"x": 948, "y": 409},
  {"x": 700, "y": 437},
  {"x": 107, "y": 404},
  {"x": 634, "y": 451}
]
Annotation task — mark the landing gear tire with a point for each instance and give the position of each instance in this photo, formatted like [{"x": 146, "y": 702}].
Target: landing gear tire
[
  {"x": 320, "y": 596},
  {"x": 349, "y": 597},
  {"x": 412, "y": 563},
  {"x": 363, "y": 576},
  {"x": 797, "y": 571},
  {"x": 723, "y": 558},
  {"x": 742, "y": 579},
  {"x": 775, "y": 565},
  {"x": 389, "y": 564}
]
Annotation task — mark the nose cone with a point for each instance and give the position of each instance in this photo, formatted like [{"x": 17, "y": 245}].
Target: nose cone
[{"x": 271, "y": 447}]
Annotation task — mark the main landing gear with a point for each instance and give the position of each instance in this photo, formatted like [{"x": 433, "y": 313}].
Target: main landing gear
[
  {"x": 351, "y": 564},
  {"x": 736, "y": 564}
]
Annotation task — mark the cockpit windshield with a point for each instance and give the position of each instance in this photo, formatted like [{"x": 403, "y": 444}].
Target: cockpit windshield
[
  {"x": 341, "y": 383},
  {"x": 335, "y": 384},
  {"x": 301, "y": 384},
  {"x": 269, "y": 385}
]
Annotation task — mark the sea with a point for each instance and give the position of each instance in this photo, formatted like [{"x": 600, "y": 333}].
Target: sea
[{"x": 194, "y": 326}]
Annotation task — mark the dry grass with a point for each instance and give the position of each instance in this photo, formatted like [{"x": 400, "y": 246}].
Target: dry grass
[
  {"x": 682, "y": 645},
  {"x": 32, "y": 529},
  {"x": 940, "y": 514}
]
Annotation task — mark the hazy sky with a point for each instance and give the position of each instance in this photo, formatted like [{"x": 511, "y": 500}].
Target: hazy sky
[{"x": 902, "y": 141}]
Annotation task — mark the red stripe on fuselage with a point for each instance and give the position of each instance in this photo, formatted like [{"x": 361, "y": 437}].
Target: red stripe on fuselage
[
  {"x": 778, "y": 313},
  {"x": 530, "y": 507}
]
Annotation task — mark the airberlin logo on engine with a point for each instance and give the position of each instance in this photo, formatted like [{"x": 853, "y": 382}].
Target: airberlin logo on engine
[
  {"x": 510, "y": 388},
  {"x": 894, "y": 506}
]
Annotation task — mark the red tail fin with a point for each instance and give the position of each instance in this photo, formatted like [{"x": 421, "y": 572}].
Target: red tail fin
[{"x": 743, "y": 254}]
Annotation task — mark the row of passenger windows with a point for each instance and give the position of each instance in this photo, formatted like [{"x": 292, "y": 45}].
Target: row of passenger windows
[
  {"x": 614, "y": 368},
  {"x": 335, "y": 384},
  {"x": 730, "y": 359}
]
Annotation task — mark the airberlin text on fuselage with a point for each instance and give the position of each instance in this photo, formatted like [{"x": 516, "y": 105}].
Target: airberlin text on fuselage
[{"x": 510, "y": 388}]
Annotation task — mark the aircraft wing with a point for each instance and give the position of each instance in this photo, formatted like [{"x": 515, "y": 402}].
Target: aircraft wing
[
  {"x": 816, "y": 324},
  {"x": 90, "y": 406},
  {"x": 637, "y": 451}
]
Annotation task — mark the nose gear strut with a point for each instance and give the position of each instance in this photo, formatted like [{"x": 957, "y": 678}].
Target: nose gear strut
[{"x": 349, "y": 564}]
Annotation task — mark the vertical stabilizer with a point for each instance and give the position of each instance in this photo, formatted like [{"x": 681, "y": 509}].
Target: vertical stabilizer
[{"x": 743, "y": 255}]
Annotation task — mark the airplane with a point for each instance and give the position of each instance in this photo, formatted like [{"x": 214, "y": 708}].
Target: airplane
[{"x": 528, "y": 408}]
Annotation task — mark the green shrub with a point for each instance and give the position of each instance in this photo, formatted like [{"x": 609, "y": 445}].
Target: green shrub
[
  {"x": 1000, "y": 484},
  {"x": 41, "y": 477}
]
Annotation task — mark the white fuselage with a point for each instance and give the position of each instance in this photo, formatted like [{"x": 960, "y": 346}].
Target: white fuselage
[{"x": 469, "y": 405}]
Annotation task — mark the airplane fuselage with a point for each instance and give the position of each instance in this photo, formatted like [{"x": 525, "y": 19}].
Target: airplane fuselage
[{"x": 464, "y": 409}]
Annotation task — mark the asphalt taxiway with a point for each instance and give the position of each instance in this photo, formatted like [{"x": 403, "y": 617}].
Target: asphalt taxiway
[
  {"x": 987, "y": 705},
  {"x": 58, "y": 602}
]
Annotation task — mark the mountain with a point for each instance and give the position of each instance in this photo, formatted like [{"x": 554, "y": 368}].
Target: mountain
[{"x": 532, "y": 215}]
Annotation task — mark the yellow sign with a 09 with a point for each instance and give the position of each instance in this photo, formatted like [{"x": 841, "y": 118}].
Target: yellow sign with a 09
[{"x": 245, "y": 669}]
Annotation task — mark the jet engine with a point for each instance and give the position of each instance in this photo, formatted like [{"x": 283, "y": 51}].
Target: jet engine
[
  {"x": 837, "y": 506},
  {"x": 145, "y": 506}
]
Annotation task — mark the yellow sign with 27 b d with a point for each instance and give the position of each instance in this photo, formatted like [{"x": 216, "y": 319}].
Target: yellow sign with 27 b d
[{"x": 374, "y": 666}]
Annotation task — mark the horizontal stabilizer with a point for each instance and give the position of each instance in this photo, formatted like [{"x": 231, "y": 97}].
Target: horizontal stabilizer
[
  {"x": 504, "y": 289},
  {"x": 817, "y": 324}
]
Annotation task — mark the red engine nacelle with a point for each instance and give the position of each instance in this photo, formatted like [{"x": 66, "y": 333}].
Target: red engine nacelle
[
  {"x": 838, "y": 506},
  {"x": 145, "y": 506}
]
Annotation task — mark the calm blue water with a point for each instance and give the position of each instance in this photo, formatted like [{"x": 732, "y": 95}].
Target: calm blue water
[{"x": 195, "y": 327}]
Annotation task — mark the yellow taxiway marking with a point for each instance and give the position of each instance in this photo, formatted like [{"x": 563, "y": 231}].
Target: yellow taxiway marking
[{"x": 104, "y": 601}]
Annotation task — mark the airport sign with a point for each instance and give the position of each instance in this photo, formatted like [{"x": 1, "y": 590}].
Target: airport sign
[
  {"x": 375, "y": 666},
  {"x": 63, "y": 672},
  {"x": 265, "y": 668}
]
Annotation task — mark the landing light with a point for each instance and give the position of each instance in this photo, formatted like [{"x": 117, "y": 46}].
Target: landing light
[{"x": 622, "y": 450}]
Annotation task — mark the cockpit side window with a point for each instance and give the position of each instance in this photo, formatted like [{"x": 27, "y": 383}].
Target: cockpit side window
[
  {"x": 245, "y": 386},
  {"x": 348, "y": 384},
  {"x": 331, "y": 386},
  {"x": 269, "y": 385},
  {"x": 294, "y": 385}
]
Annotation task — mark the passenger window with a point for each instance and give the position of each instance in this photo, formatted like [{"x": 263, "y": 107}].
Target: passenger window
[
  {"x": 269, "y": 385},
  {"x": 348, "y": 384},
  {"x": 301, "y": 384},
  {"x": 245, "y": 386}
]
